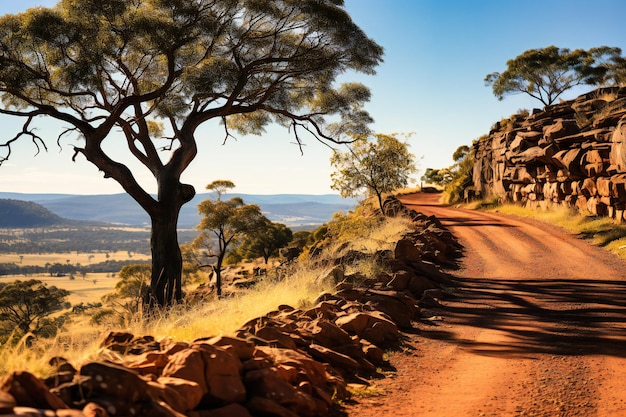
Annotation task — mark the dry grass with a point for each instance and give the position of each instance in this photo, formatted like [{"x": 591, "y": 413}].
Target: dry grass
[
  {"x": 81, "y": 290},
  {"x": 73, "y": 258},
  {"x": 299, "y": 288},
  {"x": 80, "y": 340}
]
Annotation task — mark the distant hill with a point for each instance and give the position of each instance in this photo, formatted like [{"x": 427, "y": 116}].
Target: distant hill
[
  {"x": 291, "y": 209},
  {"x": 16, "y": 214}
]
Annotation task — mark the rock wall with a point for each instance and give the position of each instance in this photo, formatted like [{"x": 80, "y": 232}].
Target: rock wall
[{"x": 570, "y": 154}]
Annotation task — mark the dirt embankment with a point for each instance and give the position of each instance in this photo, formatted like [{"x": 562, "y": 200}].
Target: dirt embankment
[{"x": 535, "y": 326}]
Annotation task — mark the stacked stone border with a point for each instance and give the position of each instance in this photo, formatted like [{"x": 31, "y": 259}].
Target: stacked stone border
[{"x": 571, "y": 154}]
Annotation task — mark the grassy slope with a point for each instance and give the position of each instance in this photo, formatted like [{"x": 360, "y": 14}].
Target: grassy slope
[{"x": 80, "y": 340}]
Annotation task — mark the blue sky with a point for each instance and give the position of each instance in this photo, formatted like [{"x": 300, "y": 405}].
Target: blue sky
[{"x": 437, "y": 54}]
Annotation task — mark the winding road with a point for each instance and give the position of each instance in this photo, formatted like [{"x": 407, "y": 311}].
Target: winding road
[{"x": 536, "y": 326}]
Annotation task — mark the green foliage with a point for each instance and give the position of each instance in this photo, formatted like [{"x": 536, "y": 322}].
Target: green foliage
[
  {"x": 547, "y": 73},
  {"x": 301, "y": 238},
  {"x": 455, "y": 178},
  {"x": 375, "y": 167},
  {"x": 131, "y": 289},
  {"x": 265, "y": 242},
  {"x": 226, "y": 222},
  {"x": 27, "y": 304},
  {"x": 220, "y": 187}
]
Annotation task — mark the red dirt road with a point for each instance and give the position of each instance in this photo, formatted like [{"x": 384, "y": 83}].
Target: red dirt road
[{"x": 536, "y": 326}]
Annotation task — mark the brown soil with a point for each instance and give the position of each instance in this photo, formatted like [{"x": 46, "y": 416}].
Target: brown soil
[{"x": 535, "y": 326}]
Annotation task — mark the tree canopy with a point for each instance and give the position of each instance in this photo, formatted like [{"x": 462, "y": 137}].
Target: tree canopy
[
  {"x": 225, "y": 222},
  {"x": 377, "y": 166},
  {"x": 455, "y": 178},
  {"x": 156, "y": 70},
  {"x": 25, "y": 303},
  {"x": 265, "y": 241},
  {"x": 547, "y": 73}
]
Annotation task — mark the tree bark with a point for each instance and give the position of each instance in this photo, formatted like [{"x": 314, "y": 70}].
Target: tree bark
[{"x": 167, "y": 261}]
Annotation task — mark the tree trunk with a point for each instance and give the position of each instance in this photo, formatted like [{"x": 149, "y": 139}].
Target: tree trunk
[{"x": 167, "y": 261}]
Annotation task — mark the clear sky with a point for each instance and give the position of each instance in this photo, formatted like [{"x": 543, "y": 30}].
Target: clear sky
[{"x": 437, "y": 53}]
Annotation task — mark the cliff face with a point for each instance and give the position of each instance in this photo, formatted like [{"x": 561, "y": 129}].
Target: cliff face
[{"x": 570, "y": 154}]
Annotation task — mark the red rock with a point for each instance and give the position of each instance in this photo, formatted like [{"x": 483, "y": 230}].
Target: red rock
[
  {"x": 265, "y": 407},
  {"x": 242, "y": 348},
  {"x": 214, "y": 369},
  {"x": 276, "y": 336},
  {"x": 7, "y": 402},
  {"x": 94, "y": 410},
  {"x": 180, "y": 394},
  {"x": 30, "y": 391},
  {"x": 372, "y": 326},
  {"x": 267, "y": 383},
  {"x": 115, "y": 381},
  {"x": 335, "y": 359},
  {"x": 149, "y": 363},
  {"x": 69, "y": 413}
]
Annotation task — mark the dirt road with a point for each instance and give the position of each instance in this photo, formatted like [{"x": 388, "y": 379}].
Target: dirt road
[{"x": 536, "y": 327}]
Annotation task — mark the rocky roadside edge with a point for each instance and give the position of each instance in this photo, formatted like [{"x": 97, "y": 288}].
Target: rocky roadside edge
[{"x": 287, "y": 363}]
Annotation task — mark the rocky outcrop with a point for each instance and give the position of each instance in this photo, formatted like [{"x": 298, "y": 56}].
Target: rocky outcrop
[
  {"x": 570, "y": 154},
  {"x": 287, "y": 363}
]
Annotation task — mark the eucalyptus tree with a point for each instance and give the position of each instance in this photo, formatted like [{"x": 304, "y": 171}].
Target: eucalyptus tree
[
  {"x": 547, "y": 73},
  {"x": 226, "y": 222},
  {"x": 377, "y": 166},
  {"x": 156, "y": 70}
]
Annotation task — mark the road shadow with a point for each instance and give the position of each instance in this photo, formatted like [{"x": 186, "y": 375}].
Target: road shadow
[{"x": 525, "y": 317}]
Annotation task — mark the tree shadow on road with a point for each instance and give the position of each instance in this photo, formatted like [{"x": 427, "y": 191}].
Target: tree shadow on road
[{"x": 525, "y": 317}]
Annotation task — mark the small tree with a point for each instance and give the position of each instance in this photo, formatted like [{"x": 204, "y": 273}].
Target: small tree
[
  {"x": 455, "y": 178},
  {"x": 132, "y": 288},
  {"x": 220, "y": 187},
  {"x": 265, "y": 242},
  {"x": 547, "y": 73},
  {"x": 377, "y": 167},
  {"x": 25, "y": 303},
  {"x": 225, "y": 222}
]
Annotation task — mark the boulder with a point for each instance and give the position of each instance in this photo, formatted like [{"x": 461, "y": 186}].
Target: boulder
[
  {"x": 7, "y": 402},
  {"x": 215, "y": 370},
  {"x": 29, "y": 391},
  {"x": 266, "y": 407},
  {"x": 371, "y": 326},
  {"x": 180, "y": 394},
  {"x": 268, "y": 384},
  {"x": 94, "y": 410}
]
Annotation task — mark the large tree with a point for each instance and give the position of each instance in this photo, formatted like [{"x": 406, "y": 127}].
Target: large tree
[
  {"x": 377, "y": 166},
  {"x": 547, "y": 73},
  {"x": 158, "y": 69}
]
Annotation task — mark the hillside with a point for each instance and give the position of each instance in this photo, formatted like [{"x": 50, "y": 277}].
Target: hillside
[
  {"x": 290, "y": 209},
  {"x": 16, "y": 214}
]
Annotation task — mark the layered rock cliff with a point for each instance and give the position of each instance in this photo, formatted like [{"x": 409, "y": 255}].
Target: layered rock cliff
[{"x": 570, "y": 154}]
